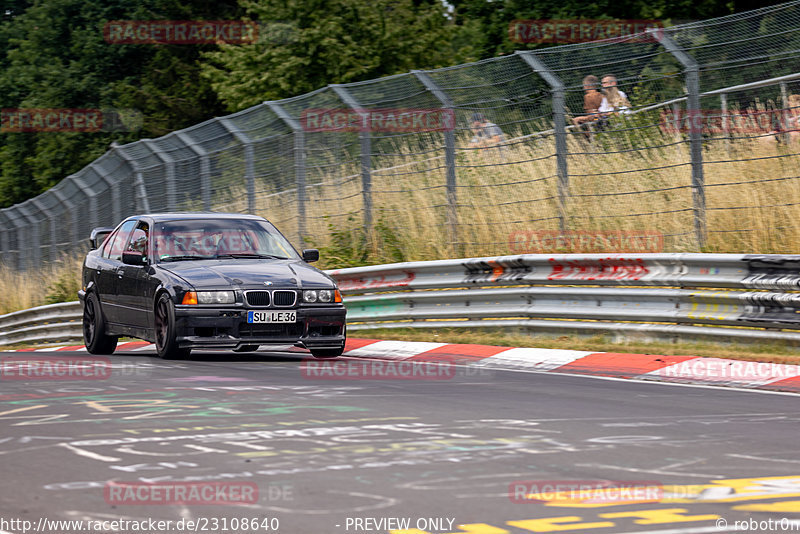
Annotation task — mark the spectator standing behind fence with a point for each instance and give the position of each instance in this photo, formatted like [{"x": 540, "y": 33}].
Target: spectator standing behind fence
[
  {"x": 485, "y": 133},
  {"x": 614, "y": 100},
  {"x": 591, "y": 100}
]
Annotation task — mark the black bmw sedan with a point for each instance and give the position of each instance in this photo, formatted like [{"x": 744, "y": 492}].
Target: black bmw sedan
[{"x": 206, "y": 280}]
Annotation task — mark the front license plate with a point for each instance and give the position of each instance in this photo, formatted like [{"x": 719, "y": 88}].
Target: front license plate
[{"x": 271, "y": 317}]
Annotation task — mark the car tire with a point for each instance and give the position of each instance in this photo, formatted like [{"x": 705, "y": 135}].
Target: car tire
[
  {"x": 327, "y": 353},
  {"x": 246, "y": 348},
  {"x": 94, "y": 328},
  {"x": 165, "y": 334}
]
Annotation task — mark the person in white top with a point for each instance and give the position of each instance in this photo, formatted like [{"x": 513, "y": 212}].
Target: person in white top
[{"x": 614, "y": 100}]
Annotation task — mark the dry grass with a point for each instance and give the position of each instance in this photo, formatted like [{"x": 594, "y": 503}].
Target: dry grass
[{"x": 55, "y": 282}]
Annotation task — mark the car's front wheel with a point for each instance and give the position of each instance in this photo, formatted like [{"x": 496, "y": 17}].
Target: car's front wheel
[
  {"x": 166, "y": 342},
  {"x": 94, "y": 328}
]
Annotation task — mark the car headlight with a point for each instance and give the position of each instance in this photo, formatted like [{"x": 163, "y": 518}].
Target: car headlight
[
  {"x": 324, "y": 296},
  {"x": 216, "y": 297}
]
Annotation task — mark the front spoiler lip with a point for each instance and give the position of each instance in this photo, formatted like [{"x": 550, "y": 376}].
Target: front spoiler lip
[{"x": 211, "y": 315}]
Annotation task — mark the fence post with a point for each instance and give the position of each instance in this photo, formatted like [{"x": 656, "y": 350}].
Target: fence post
[
  {"x": 89, "y": 193},
  {"x": 249, "y": 161},
  {"x": 31, "y": 256},
  {"x": 169, "y": 176},
  {"x": 205, "y": 167},
  {"x": 723, "y": 104},
  {"x": 116, "y": 207},
  {"x": 365, "y": 142},
  {"x": 142, "y": 203},
  {"x": 784, "y": 113},
  {"x": 449, "y": 154},
  {"x": 5, "y": 247},
  {"x": 560, "y": 129},
  {"x": 299, "y": 165},
  {"x": 694, "y": 114},
  {"x": 36, "y": 201},
  {"x": 70, "y": 208}
]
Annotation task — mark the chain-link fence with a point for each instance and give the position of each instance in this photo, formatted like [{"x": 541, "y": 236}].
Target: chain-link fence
[{"x": 702, "y": 155}]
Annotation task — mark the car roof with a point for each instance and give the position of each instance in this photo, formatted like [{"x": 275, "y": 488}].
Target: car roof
[{"x": 162, "y": 217}]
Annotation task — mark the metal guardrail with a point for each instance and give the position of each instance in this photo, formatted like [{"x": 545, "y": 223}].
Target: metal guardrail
[{"x": 744, "y": 297}]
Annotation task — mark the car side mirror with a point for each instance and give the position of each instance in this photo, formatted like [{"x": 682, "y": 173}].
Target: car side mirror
[
  {"x": 130, "y": 257},
  {"x": 310, "y": 255},
  {"x": 98, "y": 236}
]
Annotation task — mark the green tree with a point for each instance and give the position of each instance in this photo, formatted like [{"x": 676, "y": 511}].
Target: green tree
[
  {"x": 53, "y": 55},
  {"x": 330, "y": 41}
]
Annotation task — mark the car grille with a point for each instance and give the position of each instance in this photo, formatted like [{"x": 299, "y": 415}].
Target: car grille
[
  {"x": 271, "y": 330},
  {"x": 257, "y": 298},
  {"x": 284, "y": 298}
]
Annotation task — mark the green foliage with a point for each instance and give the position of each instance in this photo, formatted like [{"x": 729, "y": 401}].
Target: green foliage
[
  {"x": 64, "y": 288},
  {"x": 53, "y": 55},
  {"x": 351, "y": 245},
  {"x": 330, "y": 41}
]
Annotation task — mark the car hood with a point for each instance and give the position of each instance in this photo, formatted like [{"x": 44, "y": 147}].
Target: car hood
[{"x": 248, "y": 274}]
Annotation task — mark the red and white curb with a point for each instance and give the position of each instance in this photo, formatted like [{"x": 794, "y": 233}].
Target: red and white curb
[{"x": 676, "y": 369}]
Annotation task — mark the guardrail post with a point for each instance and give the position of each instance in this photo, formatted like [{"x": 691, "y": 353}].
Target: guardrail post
[
  {"x": 142, "y": 203},
  {"x": 694, "y": 114},
  {"x": 365, "y": 142},
  {"x": 169, "y": 175},
  {"x": 560, "y": 129},
  {"x": 449, "y": 154},
  {"x": 299, "y": 165},
  {"x": 249, "y": 161},
  {"x": 205, "y": 167}
]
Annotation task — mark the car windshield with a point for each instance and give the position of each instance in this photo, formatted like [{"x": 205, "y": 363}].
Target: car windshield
[{"x": 199, "y": 239}]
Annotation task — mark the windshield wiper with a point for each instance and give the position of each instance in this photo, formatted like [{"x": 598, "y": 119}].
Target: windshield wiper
[
  {"x": 257, "y": 256},
  {"x": 180, "y": 258}
]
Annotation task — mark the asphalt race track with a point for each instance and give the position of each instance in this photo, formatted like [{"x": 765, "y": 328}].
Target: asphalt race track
[{"x": 287, "y": 450}]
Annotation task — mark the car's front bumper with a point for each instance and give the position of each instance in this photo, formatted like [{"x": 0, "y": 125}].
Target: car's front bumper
[{"x": 227, "y": 328}]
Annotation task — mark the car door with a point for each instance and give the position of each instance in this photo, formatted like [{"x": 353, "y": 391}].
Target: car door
[
  {"x": 132, "y": 280},
  {"x": 107, "y": 275}
]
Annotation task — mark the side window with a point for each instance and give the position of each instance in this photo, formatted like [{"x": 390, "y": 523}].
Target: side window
[
  {"x": 116, "y": 243},
  {"x": 139, "y": 238}
]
